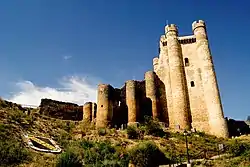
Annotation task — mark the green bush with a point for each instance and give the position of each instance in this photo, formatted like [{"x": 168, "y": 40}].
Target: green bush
[
  {"x": 132, "y": 132},
  {"x": 147, "y": 154},
  {"x": 237, "y": 148},
  {"x": 12, "y": 150},
  {"x": 70, "y": 158},
  {"x": 102, "y": 154},
  {"x": 152, "y": 127}
]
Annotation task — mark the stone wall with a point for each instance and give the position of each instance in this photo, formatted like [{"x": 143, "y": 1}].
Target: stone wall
[
  {"x": 61, "y": 110},
  {"x": 129, "y": 104}
]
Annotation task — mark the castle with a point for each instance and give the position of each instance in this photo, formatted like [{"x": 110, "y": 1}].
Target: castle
[{"x": 181, "y": 91}]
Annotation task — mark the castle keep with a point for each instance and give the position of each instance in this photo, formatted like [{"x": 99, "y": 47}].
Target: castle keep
[{"x": 181, "y": 91}]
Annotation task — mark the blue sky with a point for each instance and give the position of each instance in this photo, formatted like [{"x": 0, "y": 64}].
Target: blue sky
[{"x": 48, "y": 44}]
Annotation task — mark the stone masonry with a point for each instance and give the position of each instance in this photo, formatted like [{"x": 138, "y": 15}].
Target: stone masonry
[{"x": 181, "y": 91}]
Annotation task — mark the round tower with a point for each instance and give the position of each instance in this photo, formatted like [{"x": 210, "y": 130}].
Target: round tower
[
  {"x": 104, "y": 106},
  {"x": 87, "y": 112},
  {"x": 150, "y": 85},
  {"x": 217, "y": 123},
  {"x": 177, "y": 79},
  {"x": 131, "y": 101}
]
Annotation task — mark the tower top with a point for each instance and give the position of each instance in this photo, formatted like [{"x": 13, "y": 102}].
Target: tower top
[
  {"x": 171, "y": 27},
  {"x": 198, "y": 23}
]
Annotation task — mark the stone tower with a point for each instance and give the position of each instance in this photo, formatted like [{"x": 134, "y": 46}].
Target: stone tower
[
  {"x": 182, "y": 90},
  {"x": 186, "y": 68}
]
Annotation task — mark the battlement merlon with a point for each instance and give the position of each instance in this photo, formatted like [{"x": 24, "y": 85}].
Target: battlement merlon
[
  {"x": 198, "y": 23},
  {"x": 163, "y": 39},
  {"x": 171, "y": 28},
  {"x": 199, "y": 30}
]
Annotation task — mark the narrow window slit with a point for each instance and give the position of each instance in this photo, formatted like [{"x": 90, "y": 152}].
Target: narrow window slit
[
  {"x": 192, "y": 83},
  {"x": 186, "y": 62}
]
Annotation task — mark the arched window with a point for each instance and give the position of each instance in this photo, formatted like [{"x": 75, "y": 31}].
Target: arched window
[
  {"x": 192, "y": 83},
  {"x": 186, "y": 61}
]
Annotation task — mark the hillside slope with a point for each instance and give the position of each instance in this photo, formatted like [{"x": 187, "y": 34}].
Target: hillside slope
[{"x": 82, "y": 144}]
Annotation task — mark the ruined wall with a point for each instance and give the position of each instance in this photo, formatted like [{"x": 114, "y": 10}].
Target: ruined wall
[
  {"x": 61, "y": 110},
  {"x": 199, "y": 113},
  {"x": 144, "y": 103}
]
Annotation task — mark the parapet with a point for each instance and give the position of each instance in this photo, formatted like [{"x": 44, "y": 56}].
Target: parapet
[
  {"x": 171, "y": 27},
  {"x": 198, "y": 23}
]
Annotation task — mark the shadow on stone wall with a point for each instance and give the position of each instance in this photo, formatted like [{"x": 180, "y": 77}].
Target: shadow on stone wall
[
  {"x": 120, "y": 109},
  {"x": 162, "y": 106}
]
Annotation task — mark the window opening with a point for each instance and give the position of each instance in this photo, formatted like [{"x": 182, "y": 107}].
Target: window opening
[
  {"x": 186, "y": 62},
  {"x": 192, "y": 83}
]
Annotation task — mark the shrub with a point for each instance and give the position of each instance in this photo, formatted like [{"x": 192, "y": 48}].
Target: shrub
[
  {"x": 102, "y": 154},
  {"x": 237, "y": 148},
  {"x": 12, "y": 150},
  {"x": 68, "y": 126},
  {"x": 133, "y": 132},
  {"x": 69, "y": 158},
  {"x": 152, "y": 127},
  {"x": 62, "y": 138},
  {"x": 147, "y": 154}
]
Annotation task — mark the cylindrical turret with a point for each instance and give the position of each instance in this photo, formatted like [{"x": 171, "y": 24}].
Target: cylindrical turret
[
  {"x": 131, "y": 101},
  {"x": 218, "y": 125},
  {"x": 87, "y": 112},
  {"x": 177, "y": 77},
  {"x": 164, "y": 75},
  {"x": 104, "y": 106},
  {"x": 94, "y": 110},
  {"x": 150, "y": 85}
]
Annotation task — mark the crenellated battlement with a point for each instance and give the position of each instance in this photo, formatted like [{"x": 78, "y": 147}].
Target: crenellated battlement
[
  {"x": 187, "y": 39},
  {"x": 198, "y": 23},
  {"x": 171, "y": 27}
]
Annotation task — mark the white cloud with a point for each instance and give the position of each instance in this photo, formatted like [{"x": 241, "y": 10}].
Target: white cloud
[
  {"x": 74, "y": 89},
  {"x": 67, "y": 57}
]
